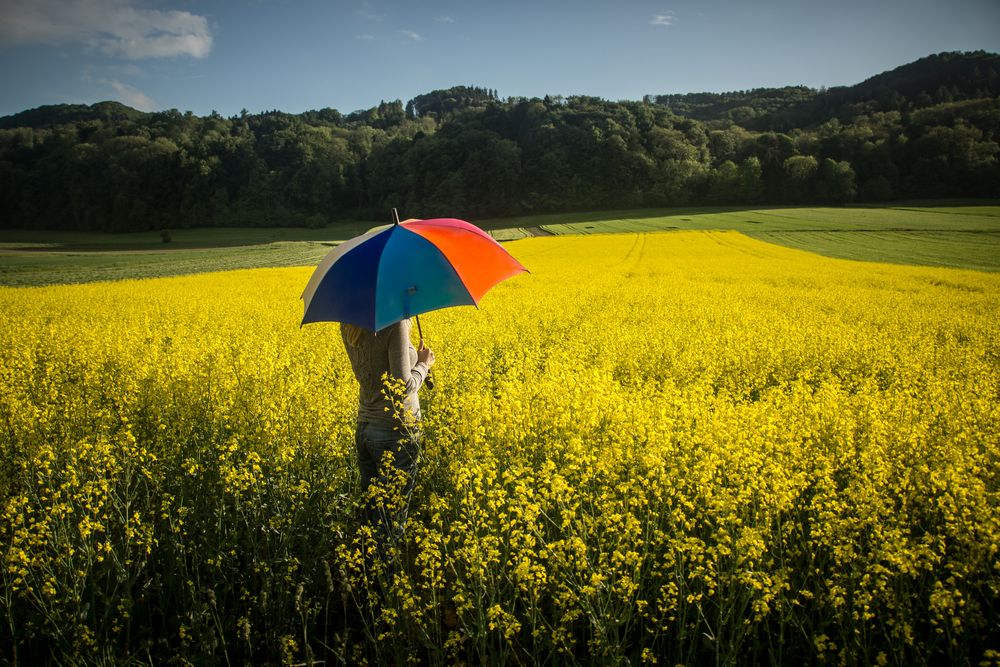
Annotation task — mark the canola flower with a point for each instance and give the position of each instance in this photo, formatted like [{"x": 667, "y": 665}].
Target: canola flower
[{"x": 669, "y": 448}]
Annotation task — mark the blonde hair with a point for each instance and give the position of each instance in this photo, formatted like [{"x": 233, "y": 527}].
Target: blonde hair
[{"x": 351, "y": 333}]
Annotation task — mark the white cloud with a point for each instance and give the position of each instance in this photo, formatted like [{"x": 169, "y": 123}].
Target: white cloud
[
  {"x": 133, "y": 97},
  {"x": 366, "y": 36},
  {"x": 113, "y": 27},
  {"x": 412, "y": 35},
  {"x": 444, "y": 19},
  {"x": 666, "y": 18}
]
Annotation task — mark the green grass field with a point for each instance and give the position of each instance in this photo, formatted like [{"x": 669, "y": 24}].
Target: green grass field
[
  {"x": 77, "y": 266},
  {"x": 956, "y": 234},
  {"x": 952, "y": 219},
  {"x": 969, "y": 250}
]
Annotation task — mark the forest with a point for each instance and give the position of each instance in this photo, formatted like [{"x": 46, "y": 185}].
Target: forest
[{"x": 929, "y": 129}]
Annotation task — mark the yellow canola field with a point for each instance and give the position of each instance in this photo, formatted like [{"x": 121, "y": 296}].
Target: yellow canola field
[{"x": 671, "y": 448}]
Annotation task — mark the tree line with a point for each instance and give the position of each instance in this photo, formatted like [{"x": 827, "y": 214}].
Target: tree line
[{"x": 466, "y": 152}]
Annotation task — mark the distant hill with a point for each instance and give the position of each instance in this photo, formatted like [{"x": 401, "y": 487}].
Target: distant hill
[
  {"x": 929, "y": 129},
  {"x": 936, "y": 79},
  {"x": 439, "y": 103},
  {"x": 64, "y": 114},
  {"x": 739, "y": 106}
]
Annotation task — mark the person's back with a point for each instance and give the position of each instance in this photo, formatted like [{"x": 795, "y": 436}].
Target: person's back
[{"x": 373, "y": 356}]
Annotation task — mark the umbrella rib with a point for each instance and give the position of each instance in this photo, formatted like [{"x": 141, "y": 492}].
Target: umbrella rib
[
  {"x": 448, "y": 262},
  {"x": 433, "y": 222},
  {"x": 332, "y": 257},
  {"x": 461, "y": 281},
  {"x": 477, "y": 234}
]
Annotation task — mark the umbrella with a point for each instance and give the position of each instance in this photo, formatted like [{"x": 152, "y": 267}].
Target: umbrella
[{"x": 397, "y": 271}]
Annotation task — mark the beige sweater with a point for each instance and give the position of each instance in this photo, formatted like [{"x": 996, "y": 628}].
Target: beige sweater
[{"x": 388, "y": 351}]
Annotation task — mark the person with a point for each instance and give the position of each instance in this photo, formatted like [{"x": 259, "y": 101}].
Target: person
[{"x": 388, "y": 418}]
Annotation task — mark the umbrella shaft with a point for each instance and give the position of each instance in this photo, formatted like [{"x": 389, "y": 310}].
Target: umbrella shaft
[{"x": 429, "y": 381}]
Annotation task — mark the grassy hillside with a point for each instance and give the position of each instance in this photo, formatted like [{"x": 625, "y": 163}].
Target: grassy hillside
[{"x": 951, "y": 234}]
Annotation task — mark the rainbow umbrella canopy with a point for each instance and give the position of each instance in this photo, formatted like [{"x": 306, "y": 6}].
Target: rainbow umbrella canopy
[{"x": 397, "y": 271}]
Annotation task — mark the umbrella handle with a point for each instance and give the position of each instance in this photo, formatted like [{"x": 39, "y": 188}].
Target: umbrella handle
[{"x": 429, "y": 381}]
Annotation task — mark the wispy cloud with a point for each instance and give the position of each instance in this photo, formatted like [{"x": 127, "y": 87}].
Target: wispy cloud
[
  {"x": 126, "y": 69},
  {"x": 366, "y": 36},
  {"x": 412, "y": 35},
  {"x": 133, "y": 97},
  {"x": 666, "y": 18},
  {"x": 92, "y": 72},
  {"x": 444, "y": 19},
  {"x": 113, "y": 27},
  {"x": 367, "y": 13}
]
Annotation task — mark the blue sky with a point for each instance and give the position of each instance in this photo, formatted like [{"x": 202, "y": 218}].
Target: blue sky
[{"x": 295, "y": 55}]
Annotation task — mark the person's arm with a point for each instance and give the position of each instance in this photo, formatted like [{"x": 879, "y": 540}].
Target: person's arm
[{"x": 399, "y": 359}]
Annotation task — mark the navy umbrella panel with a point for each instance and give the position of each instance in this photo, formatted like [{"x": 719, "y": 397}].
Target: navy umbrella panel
[{"x": 397, "y": 271}]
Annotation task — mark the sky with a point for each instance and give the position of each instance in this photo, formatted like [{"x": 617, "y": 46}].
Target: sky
[{"x": 297, "y": 55}]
